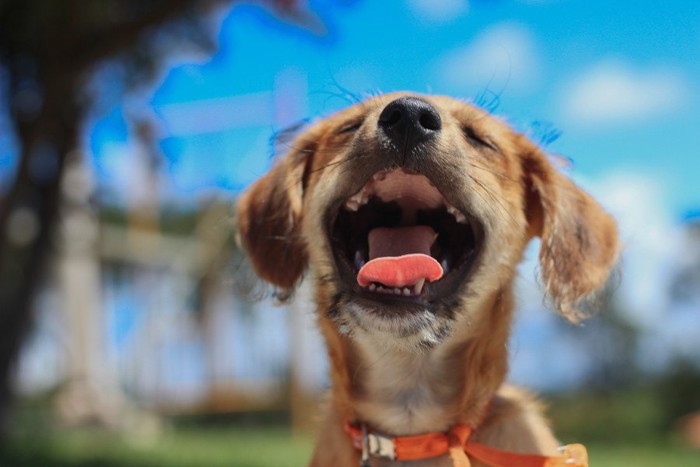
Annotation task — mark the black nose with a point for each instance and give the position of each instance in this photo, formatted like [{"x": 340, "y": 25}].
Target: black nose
[{"x": 408, "y": 121}]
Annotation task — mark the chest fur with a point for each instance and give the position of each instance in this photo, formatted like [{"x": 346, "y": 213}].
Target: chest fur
[{"x": 405, "y": 393}]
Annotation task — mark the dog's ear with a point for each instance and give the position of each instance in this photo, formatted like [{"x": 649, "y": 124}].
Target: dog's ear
[
  {"x": 579, "y": 241},
  {"x": 269, "y": 213}
]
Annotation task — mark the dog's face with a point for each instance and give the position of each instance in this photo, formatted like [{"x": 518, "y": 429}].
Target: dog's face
[{"x": 413, "y": 212}]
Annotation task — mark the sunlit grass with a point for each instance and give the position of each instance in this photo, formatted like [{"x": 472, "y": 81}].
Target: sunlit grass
[
  {"x": 182, "y": 447},
  {"x": 640, "y": 455},
  {"x": 623, "y": 429},
  {"x": 253, "y": 447}
]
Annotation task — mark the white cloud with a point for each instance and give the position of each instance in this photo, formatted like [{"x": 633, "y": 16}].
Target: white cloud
[
  {"x": 649, "y": 240},
  {"x": 613, "y": 92},
  {"x": 502, "y": 57},
  {"x": 652, "y": 251},
  {"x": 438, "y": 10},
  {"x": 655, "y": 249}
]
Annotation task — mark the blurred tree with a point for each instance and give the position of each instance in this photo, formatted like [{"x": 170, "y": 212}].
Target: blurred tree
[
  {"x": 685, "y": 286},
  {"x": 610, "y": 340},
  {"x": 48, "y": 53},
  {"x": 677, "y": 391},
  {"x": 614, "y": 347}
]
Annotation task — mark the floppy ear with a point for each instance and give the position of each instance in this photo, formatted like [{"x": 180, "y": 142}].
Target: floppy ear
[
  {"x": 269, "y": 216},
  {"x": 579, "y": 241}
]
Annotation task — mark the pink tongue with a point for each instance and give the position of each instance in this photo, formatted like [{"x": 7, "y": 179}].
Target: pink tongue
[{"x": 400, "y": 257}]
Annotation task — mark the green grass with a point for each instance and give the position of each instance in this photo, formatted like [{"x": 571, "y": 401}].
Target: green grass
[
  {"x": 642, "y": 455},
  {"x": 631, "y": 428},
  {"x": 627, "y": 428},
  {"x": 629, "y": 417},
  {"x": 183, "y": 447},
  {"x": 253, "y": 447}
]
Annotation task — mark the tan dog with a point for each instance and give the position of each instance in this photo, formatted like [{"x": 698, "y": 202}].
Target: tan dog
[{"x": 411, "y": 213}]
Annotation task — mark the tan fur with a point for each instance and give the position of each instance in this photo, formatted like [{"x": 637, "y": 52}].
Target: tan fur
[{"x": 380, "y": 374}]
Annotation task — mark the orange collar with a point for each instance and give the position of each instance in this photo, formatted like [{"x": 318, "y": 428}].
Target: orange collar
[{"x": 455, "y": 442}]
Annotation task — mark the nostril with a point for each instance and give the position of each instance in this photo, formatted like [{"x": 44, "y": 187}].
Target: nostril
[
  {"x": 391, "y": 118},
  {"x": 430, "y": 120},
  {"x": 409, "y": 121}
]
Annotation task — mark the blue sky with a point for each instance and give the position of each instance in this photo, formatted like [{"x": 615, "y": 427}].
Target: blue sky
[{"x": 618, "y": 80}]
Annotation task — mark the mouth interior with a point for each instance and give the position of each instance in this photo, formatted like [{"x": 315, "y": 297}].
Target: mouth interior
[{"x": 398, "y": 235}]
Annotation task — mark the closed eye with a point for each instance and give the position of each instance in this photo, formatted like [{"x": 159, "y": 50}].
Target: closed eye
[
  {"x": 479, "y": 140},
  {"x": 351, "y": 127}
]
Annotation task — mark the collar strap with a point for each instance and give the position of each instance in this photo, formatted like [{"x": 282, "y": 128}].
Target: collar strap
[{"x": 456, "y": 442}]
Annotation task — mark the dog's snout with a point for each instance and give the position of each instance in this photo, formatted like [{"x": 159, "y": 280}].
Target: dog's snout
[{"x": 408, "y": 121}]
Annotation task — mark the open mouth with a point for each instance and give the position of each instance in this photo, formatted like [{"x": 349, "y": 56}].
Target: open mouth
[{"x": 398, "y": 236}]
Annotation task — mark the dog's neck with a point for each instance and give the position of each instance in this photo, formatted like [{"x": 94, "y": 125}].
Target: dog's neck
[
  {"x": 402, "y": 391},
  {"x": 405, "y": 391}
]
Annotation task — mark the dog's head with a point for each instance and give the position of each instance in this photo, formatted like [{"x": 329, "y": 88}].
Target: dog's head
[{"x": 413, "y": 212}]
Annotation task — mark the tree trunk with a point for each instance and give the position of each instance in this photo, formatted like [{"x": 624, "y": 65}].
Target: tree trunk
[
  {"x": 28, "y": 214},
  {"x": 47, "y": 48}
]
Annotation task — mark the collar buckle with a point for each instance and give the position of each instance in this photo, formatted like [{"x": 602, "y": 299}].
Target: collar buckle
[{"x": 381, "y": 446}]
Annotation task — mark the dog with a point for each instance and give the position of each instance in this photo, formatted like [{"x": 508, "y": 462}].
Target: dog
[{"x": 410, "y": 214}]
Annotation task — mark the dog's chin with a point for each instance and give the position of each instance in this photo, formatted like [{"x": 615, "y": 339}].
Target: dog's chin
[{"x": 398, "y": 324}]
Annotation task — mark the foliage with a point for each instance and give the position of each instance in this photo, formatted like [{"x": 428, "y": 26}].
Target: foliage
[
  {"x": 632, "y": 416},
  {"x": 641, "y": 415},
  {"x": 48, "y": 52},
  {"x": 679, "y": 392}
]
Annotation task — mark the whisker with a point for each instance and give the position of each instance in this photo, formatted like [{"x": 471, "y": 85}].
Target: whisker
[
  {"x": 493, "y": 172},
  {"x": 336, "y": 164},
  {"x": 494, "y": 198},
  {"x": 331, "y": 165},
  {"x": 490, "y": 207}
]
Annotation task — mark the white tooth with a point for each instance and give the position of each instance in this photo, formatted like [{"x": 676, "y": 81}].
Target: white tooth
[
  {"x": 379, "y": 176},
  {"x": 372, "y": 287},
  {"x": 418, "y": 287},
  {"x": 457, "y": 214},
  {"x": 357, "y": 200},
  {"x": 406, "y": 292},
  {"x": 397, "y": 291},
  {"x": 364, "y": 197}
]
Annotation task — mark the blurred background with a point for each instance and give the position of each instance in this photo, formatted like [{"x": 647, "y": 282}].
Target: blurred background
[{"x": 128, "y": 129}]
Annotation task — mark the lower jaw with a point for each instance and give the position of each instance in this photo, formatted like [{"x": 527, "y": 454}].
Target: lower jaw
[
  {"x": 400, "y": 321},
  {"x": 413, "y": 303}
]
